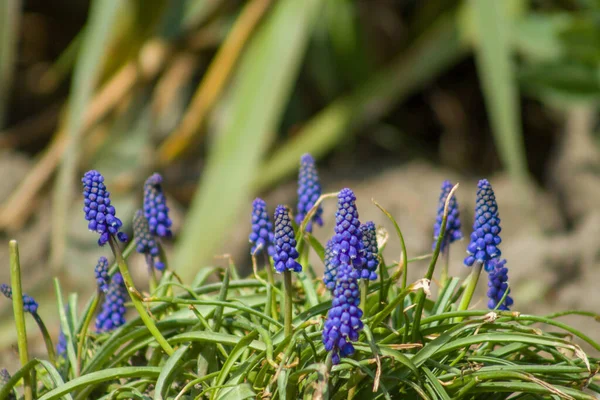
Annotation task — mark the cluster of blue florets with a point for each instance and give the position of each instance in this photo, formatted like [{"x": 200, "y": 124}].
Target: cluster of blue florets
[
  {"x": 347, "y": 240},
  {"x": 101, "y": 273},
  {"x": 498, "y": 285},
  {"x": 285, "y": 253},
  {"x": 113, "y": 309},
  {"x": 29, "y": 304},
  {"x": 453, "y": 232},
  {"x": 145, "y": 242},
  {"x": 330, "y": 272},
  {"x": 309, "y": 191},
  {"x": 486, "y": 228},
  {"x": 371, "y": 261},
  {"x": 98, "y": 209},
  {"x": 61, "y": 347},
  {"x": 343, "y": 322},
  {"x": 155, "y": 207},
  {"x": 261, "y": 236}
]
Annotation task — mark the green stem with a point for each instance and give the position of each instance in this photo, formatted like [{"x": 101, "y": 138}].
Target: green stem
[
  {"x": 271, "y": 279},
  {"x": 134, "y": 294},
  {"x": 468, "y": 294},
  {"x": 287, "y": 281},
  {"x": 364, "y": 290},
  {"x": 85, "y": 327},
  {"x": 445, "y": 267},
  {"x": 46, "y": 336},
  {"x": 17, "y": 300}
]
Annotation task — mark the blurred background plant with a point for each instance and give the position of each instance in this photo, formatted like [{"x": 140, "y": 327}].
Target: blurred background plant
[{"x": 222, "y": 97}]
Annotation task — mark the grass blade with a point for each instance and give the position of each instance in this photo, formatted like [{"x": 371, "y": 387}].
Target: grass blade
[
  {"x": 10, "y": 19},
  {"x": 168, "y": 370},
  {"x": 273, "y": 56}
]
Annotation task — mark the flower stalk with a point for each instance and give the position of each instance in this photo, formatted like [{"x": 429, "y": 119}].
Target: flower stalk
[
  {"x": 17, "y": 300},
  {"x": 134, "y": 294}
]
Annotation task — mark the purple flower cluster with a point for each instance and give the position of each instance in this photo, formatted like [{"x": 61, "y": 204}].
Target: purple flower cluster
[
  {"x": 261, "y": 236},
  {"x": 285, "y": 253},
  {"x": 453, "y": 232},
  {"x": 309, "y": 191},
  {"x": 29, "y": 304},
  {"x": 369, "y": 240},
  {"x": 330, "y": 272},
  {"x": 61, "y": 347},
  {"x": 145, "y": 242},
  {"x": 113, "y": 309},
  {"x": 155, "y": 207},
  {"x": 101, "y": 273},
  {"x": 486, "y": 228},
  {"x": 343, "y": 322},
  {"x": 347, "y": 240},
  {"x": 497, "y": 283},
  {"x": 98, "y": 209}
]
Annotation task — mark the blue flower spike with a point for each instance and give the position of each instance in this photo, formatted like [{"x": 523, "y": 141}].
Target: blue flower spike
[
  {"x": 309, "y": 191},
  {"x": 343, "y": 322},
  {"x": 98, "y": 209},
  {"x": 261, "y": 236},
  {"x": 330, "y": 272},
  {"x": 113, "y": 309},
  {"x": 285, "y": 253},
  {"x": 101, "y": 274},
  {"x": 486, "y": 228},
  {"x": 155, "y": 207},
  {"x": 145, "y": 242},
  {"x": 347, "y": 240},
  {"x": 369, "y": 251},
  {"x": 29, "y": 304},
  {"x": 453, "y": 232},
  {"x": 498, "y": 285},
  {"x": 61, "y": 347}
]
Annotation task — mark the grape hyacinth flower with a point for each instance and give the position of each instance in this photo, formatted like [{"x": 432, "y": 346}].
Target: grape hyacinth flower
[
  {"x": 155, "y": 207},
  {"x": 309, "y": 191},
  {"x": 497, "y": 283},
  {"x": 347, "y": 240},
  {"x": 29, "y": 304},
  {"x": 101, "y": 273},
  {"x": 285, "y": 253},
  {"x": 369, "y": 251},
  {"x": 261, "y": 236},
  {"x": 61, "y": 347},
  {"x": 145, "y": 242},
  {"x": 343, "y": 319},
  {"x": 113, "y": 308},
  {"x": 453, "y": 232},
  {"x": 98, "y": 209},
  {"x": 330, "y": 270},
  {"x": 486, "y": 228}
]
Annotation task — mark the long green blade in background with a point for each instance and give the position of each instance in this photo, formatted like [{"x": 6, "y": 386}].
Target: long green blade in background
[
  {"x": 493, "y": 55},
  {"x": 263, "y": 85},
  {"x": 95, "y": 41},
  {"x": 434, "y": 52},
  {"x": 10, "y": 17}
]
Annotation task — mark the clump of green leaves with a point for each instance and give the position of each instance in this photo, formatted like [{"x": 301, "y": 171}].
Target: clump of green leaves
[{"x": 229, "y": 343}]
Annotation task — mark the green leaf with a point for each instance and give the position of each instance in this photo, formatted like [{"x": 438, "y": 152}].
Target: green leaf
[
  {"x": 241, "y": 392},
  {"x": 168, "y": 370},
  {"x": 254, "y": 111},
  {"x": 235, "y": 354},
  {"x": 215, "y": 337},
  {"x": 89, "y": 380},
  {"x": 316, "y": 245}
]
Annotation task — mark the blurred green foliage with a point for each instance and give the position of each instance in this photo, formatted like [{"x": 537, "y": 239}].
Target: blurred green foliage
[{"x": 243, "y": 88}]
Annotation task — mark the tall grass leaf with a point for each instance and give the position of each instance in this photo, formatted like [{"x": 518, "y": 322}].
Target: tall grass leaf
[
  {"x": 168, "y": 371},
  {"x": 432, "y": 53},
  {"x": 236, "y": 353},
  {"x": 240, "y": 392},
  {"x": 493, "y": 56},
  {"x": 10, "y": 18},
  {"x": 263, "y": 84},
  {"x": 96, "y": 36}
]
